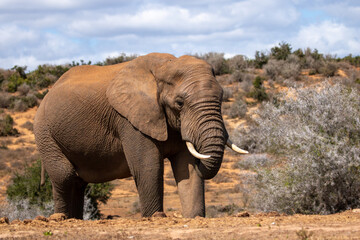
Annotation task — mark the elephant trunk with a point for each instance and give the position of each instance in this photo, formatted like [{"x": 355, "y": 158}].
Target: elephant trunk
[
  {"x": 212, "y": 146},
  {"x": 208, "y": 136}
]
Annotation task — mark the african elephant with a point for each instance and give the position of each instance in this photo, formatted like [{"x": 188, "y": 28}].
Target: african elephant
[{"x": 100, "y": 123}]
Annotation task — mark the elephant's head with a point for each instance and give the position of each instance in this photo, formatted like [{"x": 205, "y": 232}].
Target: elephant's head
[{"x": 159, "y": 90}]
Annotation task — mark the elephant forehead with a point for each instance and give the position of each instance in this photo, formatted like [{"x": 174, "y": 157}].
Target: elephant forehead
[{"x": 200, "y": 86}]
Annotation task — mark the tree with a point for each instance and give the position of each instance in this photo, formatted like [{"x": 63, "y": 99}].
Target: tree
[{"x": 281, "y": 52}]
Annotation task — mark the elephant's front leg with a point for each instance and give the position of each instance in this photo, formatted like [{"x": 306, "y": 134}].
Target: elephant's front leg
[
  {"x": 190, "y": 185},
  {"x": 147, "y": 167}
]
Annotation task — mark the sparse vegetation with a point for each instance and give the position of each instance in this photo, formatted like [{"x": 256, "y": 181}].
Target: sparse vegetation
[
  {"x": 6, "y": 126},
  {"x": 217, "y": 61},
  {"x": 238, "y": 108},
  {"x": 258, "y": 91},
  {"x": 115, "y": 60},
  {"x": 318, "y": 135},
  {"x": 25, "y": 192}
]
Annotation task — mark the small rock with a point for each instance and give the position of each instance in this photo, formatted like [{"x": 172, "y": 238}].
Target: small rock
[
  {"x": 177, "y": 215},
  {"x": 4, "y": 220},
  {"x": 159, "y": 214},
  {"x": 41, "y": 218},
  {"x": 27, "y": 221},
  {"x": 16, "y": 221},
  {"x": 356, "y": 210},
  {"x": 242, "y": 214},
  {"x": 57, "y": 217}
]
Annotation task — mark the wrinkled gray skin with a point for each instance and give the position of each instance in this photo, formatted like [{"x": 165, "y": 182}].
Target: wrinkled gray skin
[{"x": 103, "y": 123}]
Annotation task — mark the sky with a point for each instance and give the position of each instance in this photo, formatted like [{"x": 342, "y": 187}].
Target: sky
[{"x": 59, "y": 31}]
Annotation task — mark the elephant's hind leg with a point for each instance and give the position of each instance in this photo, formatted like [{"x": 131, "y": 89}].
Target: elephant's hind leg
[
  {"x": 68, "y": 196},
  {"x": 68, "y": 187}
]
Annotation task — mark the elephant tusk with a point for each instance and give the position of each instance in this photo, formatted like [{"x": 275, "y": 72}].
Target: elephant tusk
[
  {"x": 193, "y": 152},
  {"x": 235, "y": 148}
]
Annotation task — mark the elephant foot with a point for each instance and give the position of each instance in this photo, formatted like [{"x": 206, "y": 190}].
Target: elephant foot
[{"x": 159, "y": 215}]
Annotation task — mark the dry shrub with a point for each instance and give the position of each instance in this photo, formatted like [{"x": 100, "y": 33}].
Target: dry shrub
[
  {"x": 246, "y": 84},
  {"x": 238, "y": 108},
  {"x": 217, "y": 61},
  {"x": 238, "y": 76},
  {"x": 227, "y": 94},
  {"x": 23, "y": 89},
  {"x": 273, "y": 68},
  {"x": 238, "y": 62},
  {"x": 5, "y": 99},
  {"x": 329, "y": 69},
  {"x": 253, "y": 161},
  {"x": 317, "y": 134},
  {"x": 222, "y": 177},
  {"x": 20, "y": 105},
  {"x": 28, "y": 125},
  {"x": 289, "y": 68}
]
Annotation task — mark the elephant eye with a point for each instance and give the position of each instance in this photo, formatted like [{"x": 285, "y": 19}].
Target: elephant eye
[{"x": 179, "y": 103}]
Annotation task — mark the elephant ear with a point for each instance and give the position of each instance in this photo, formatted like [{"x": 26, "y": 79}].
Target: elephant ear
[{"x": 133, "y": 94}]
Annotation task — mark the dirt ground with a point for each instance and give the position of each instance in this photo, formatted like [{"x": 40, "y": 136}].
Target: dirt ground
[{"x": 262, "y": 226}]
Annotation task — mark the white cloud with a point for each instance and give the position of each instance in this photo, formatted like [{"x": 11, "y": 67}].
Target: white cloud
[
  {"x": 264, "y": 13},
  {"x": 329, "y": 37},
  {"x": 163, "y": 20},
  {"x": 13, "y": 39},
  {"x": 43, "y": 31}
]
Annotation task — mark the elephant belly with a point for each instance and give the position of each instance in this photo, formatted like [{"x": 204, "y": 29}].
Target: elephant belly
[
  {"x": 96, "y": 157},
  {"x": 97, "y": 168}
]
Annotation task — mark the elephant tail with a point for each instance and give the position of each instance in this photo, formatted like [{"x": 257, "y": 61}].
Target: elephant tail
[{"x": 42, "y": 180}]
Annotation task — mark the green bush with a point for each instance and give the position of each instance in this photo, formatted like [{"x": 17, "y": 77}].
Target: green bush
[
  {"x": 261, "y": 59},
  {"x": 281, "y": 52},
  {"x": 26, "y": 186},
  {"x": 41, "y": 95},
  {"x": 258, "y": 91},
  {"x": 120, "y": 59},
  {"x": 355, "y": 61},
  {"x": 95, "y": 193},
  {"x": 6, "y": 126},
  {"x": 45, "y": 75},
  {"x": 14, "y": 81}
]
